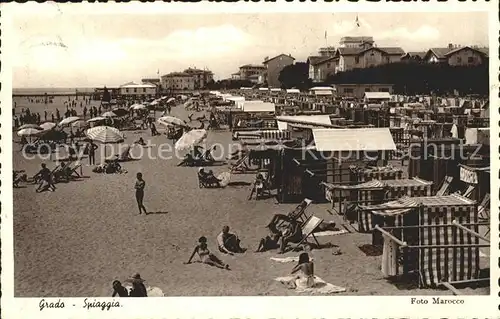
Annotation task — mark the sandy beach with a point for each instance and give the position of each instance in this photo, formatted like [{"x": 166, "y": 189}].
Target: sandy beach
[{"x": 77, "y": 240}]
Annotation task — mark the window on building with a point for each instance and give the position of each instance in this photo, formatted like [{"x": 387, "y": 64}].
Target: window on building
[
  {"x": 135, "y": 90},
  {"x": 126, "y": 90},
  {"x": 368, "y": 90},
  {"x": 470, "y": 59},
  {"x": 328, "y": 65},
  {"x": 356, "y": 60},
  {"x": 348, "y": 90},
  {"x": 144, "y": 90},
  {"x": 459, "y": 59}
]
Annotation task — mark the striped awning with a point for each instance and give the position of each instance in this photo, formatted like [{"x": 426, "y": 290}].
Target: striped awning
[
  {"x": 367, "y": 185},
  {"x": 393, "y": 208}
]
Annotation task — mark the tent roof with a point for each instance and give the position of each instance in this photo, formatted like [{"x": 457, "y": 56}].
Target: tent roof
[
  {"x": 358, "y": 139},
  {"x": 259, "y": 107},
  {"x": 377, "y": 95}
]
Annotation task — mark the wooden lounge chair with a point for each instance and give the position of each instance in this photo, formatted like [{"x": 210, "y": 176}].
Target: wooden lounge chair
[
  {"x": 241, "y": 167},
  {"x": 468, "y": 192},
  {"x": 210, "y": 182},
  {"x": 261, "y": 187},
  {"x": 299, "y": 213},
  {"x": 308, "y": 228},
  {"x": 483, "y": 209},
  {"x": 443, "y": 190},
  {"x": 72, "y": 170}
]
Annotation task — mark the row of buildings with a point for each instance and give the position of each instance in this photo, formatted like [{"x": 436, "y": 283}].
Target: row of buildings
[
  {"x": 189, "y": 79},
  {"x": 266, "y": 73},
  {"x": 362, "y": 52}
]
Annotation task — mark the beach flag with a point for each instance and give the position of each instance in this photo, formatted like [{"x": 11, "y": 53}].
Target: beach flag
[
  {"x": 158, "y": 72},
  {"x": 357, "y": 21}
]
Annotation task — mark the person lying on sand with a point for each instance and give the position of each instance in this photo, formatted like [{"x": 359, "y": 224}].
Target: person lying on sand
[
  {"x": 206, "y": 256},
  {"x": 229, "y": 243},
  {"x": 119, "y": 290}
]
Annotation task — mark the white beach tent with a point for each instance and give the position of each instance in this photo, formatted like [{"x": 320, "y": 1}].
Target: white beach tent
[
  {"x": 293, "y": 91},
  {"x": 263, "y": 89},
  {"x": 322, "y": 90},
  {"x": 275, "y": 90},
  {"x": 359, "y": 139},
  {"x": 262, "y": 107},
  {"x": 284, "y": 121}
]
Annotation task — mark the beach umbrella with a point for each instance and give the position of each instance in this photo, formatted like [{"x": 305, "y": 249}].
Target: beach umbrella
[
  {"x": 108, "y": 114},
  {"x": 154, "y": 103},
  {"x": 48, "y": 125},
  {"x": 170, "y": 100},
  {"x": 105, "y": 134},
  {"x": 79, "y": 124},
  {"x": 96, "y": 119},
  {"x": 69, "y": 120},
  {"x": 120, "y": 112},
  {"x": 190, "y": 139},
  {"x": 137, "y": 106},
  {"x": 166, "y": 120},
  {"x": 34, "y": 126},
  {"x": 29, "y": 131}
]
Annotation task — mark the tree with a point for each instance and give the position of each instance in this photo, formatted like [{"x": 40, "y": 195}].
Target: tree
[
  {"x": 420, "y": 78},
  {"x": 295, "y": 76}
]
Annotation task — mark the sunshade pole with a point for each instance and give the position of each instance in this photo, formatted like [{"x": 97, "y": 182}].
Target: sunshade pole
[
  {"x": 396, "y": 240},
  {"x": 470, "y": 231}
]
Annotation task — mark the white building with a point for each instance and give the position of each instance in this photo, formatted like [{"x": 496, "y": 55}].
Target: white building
[{"x": 134, "y": 90}]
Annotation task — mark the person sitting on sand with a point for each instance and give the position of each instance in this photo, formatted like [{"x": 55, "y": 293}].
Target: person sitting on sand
[
  {"x": 197, "y": 151},
  {"x": 140, "y": 141},
  {"x": 258, "y": 185},
  {"x": 119, "y": 290},
  {"x": 206, "y": 256},
  {"x": 138, "y": 287},
  {"x": 292, "y": 233},
  {"x": 305, "y": 270},
  {"x": 45, "y": 178},
  {"x": 229, "y": 243}
]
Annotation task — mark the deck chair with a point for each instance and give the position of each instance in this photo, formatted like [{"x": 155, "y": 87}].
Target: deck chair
[
  {"x": 210, "y": 182},
  {"x": 307, "y": 230},
  {"x": 443, "y": 190},
  {"x": 299, "y": 213},
  {"x": 468, "y": 192},
  {"x": 125, "y": 155},
  {"x": 240, "y": 167},
  {"x": 483, "y": 210},
  {"x": 72, "y": 168},
  {"x": 207, "y": 155}
]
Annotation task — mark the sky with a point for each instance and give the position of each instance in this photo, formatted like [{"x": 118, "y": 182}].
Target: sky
[{"x": 82, "y": 50}]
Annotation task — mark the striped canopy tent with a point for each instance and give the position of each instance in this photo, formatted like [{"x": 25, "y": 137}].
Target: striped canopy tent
[
  {"x": 370, "y": 192},
  {"x": 433, "y": 245}
]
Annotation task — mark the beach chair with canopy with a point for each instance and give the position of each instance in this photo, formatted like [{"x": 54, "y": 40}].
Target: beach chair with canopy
[{"x": 443, "y": 190}]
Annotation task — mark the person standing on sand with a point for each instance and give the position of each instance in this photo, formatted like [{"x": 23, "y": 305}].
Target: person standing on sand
[
  {"x": 140, "y": 184},
  {"x": 91, "y": 148}
]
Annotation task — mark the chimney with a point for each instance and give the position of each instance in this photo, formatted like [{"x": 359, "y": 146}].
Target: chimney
[{"x": 450, "y": 46}]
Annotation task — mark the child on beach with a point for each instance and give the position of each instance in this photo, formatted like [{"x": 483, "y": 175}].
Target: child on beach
[{"x": 140, "y": 184}]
